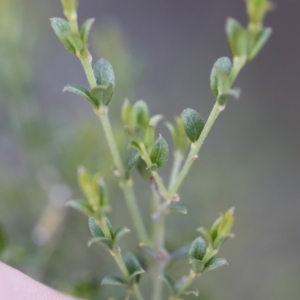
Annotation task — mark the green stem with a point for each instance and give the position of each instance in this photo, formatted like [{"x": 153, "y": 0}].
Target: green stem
[
  {"x": 154, "y": 173},
  {"x": 177, "y": 162},
  {"x": 86, "y": 61},
  {"x": 159, "y": 244},
  {"x": 195, "y": 148},
  {"x": 126, "y": 185},
  {"x": 188, "y": 282},
  {"x": 121, "y": 264}
]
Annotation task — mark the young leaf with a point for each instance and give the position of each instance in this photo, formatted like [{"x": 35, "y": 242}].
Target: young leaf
[
  {"x": 237, "y": 37},
  {"x": 82, "y": 206},
  {"x": 128, "y": 114},
  {"x": 257, "y": 10},
  {"x": 103, "y": 194},
  {"x": 160, "y": 152},
  {"x": 70, "y": 7},
  {"x": 132, "y": 159},
  {"x": 103, "y": 241},
  {"x": 142, "y": 113},
  {"x": 119, "y": 233},
  {"x": 85, "y": 31},
  {"x": 114, "y": 280},
  {"x": 102, "y": 94},
  {"x": 220, "y": 76},
  {"x": 198, "y": 249},
  {"x": 260, "y": 41},
  {"x": 95, "y": 229},
  {"x": 196, "y": 265},
  {"x": 154, "y": 120},
  {"x": 104, "y": 73},
  {"x": 79, "y": 91},
  {"x": 62, "y": 30},
  {"x": 178, "y": 209},
  {"x": 214, "y": 263},
  {"x": 169, "y": 283},
  {"x": 133, "y": 265},
  {"x": 143, "y": 169},
  {"x": 193, "y": 124},
  {"x": 149, "y": 136}
]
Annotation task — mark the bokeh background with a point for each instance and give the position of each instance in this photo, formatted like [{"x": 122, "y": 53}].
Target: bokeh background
[{"x": 162, "y": 52}]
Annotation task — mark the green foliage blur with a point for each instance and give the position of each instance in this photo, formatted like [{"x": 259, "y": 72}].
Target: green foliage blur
[{"x": 44, "y": 139}]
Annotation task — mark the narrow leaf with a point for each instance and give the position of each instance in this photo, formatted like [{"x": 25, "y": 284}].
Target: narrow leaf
[
  {"x": 237, "y": 37},
  {"x": 142, "y": 113},
  {"x": 62, "y": 30},
  {"x": 193, "y": 124},
  {"x": 133, "y": 265},
  {"x": 160, "y": 152},
  {"x": 169, "y": 283},
  {"x": 114, "y": 280},
  {"x": 178, "y": 209},
  {"x": 85, "y": 31},
  {"x": 154, "y": 120},
  {"x": 215, "y": 263},
  {"x": 82, "y": 206},
  {"x": 95, "y": 229},
  {"x": 101, "y": 241},
  {"x": 260, "y": 41},
  {"x": 79, "y": 91},
  {"x": 132, "y": 159},
  {"x": 120, "y": 232}
]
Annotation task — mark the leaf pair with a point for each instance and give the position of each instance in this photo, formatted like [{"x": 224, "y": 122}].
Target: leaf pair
[
  {"x": 74, "y": 42},
  {"x": 100, "y": 237},
  {"x": 244, "y": 43},
  {"x": 220, "y": 81},
  {"x": 197, "y": 255},
  {"x": 134, "y": 269},
  {"x": 103, "y": 92},
  {"x": 220, "y": 230}
]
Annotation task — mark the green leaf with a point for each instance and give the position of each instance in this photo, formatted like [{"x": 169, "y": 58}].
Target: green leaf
[
  {"x": 102, "y": 94},
  {"x": 141, "y": 113},
  {"x": 114, "y": 280},
  {"x": 95, "y": 229},
  {"x": 62, "y": 30},
  {"x": 132, "y": 159},
  {"x": 238, "y": 38},
  {"x": 257, "y": 10},
  {"x": 178, "y": 209},
  {"x": 75, "y": 40},
  {"x": 89, "y": 186},
  {"x": 70, "y": 7},
  {"x": 149, "y": 137},
  {"x": 193, "y": 124},
  {"x": 85, "y": 31},
  {"x": 154, "y": 120},
  {"x": 104, "y": 73},
  {"x": 196, "y": 265},
  {"x": 133, "y": 265},
  {"x": 103, "y": 241},
  {"x": 82, "y": 206},
  {"x": 235, "y": 93},
  {"x": 198, "y": 249},
  {"x": 128, "y": 114},
  {"x": 220, "y": 76},
  {"x": 215, "y": 263},
  {"x": 143, "y": 169},
  {"x": 79, "y": 91},
  {"x": 169, "y": 283},
  {"x": 260, "y": 40},
  {"x": 103, "y": 194},
  {"x": 119, "y": 233},
  {"x": 160, "y": 152}
]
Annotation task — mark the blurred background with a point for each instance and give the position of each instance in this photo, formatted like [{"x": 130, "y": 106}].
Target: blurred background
[{"x": 162, "y": 52}]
